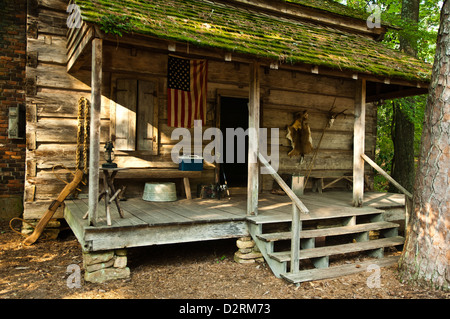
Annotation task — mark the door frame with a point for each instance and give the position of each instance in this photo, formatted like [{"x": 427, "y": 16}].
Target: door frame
[{"x": 230, "y": 93}]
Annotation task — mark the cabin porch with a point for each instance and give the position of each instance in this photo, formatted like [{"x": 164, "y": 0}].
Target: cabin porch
[{"x": 331, "y": 217}]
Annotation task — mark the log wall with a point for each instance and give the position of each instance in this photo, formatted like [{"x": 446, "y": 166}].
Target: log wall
[{"x": 53, "y": 95}]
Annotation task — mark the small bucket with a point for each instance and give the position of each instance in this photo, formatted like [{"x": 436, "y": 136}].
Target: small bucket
[{"x": 160, "y": 192}]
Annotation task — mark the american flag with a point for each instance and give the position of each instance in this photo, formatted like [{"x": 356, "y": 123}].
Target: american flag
[{"x": 186, "y": 91}]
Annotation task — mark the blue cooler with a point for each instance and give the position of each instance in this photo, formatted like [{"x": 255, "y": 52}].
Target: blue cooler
[{"x": 191, "y": 163}]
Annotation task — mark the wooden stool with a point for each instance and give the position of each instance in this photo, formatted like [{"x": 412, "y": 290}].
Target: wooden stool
[{"x": 110, "y": 193}]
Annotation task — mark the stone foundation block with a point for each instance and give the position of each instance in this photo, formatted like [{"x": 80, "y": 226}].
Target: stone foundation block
[
  {"x": 245, "y": 243},
  {"x": 248, "y": 252},
  {"x": 105, "y": 266},
  {"x": 107, "y": 274},
  {"x": 95, "y": 267},
  {"x": 120, "y": 262},
  {"x": 90, "y": 258}
]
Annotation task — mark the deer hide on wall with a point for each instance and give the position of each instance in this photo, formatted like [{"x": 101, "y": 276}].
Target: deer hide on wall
[{"x": 299, "y": 133}]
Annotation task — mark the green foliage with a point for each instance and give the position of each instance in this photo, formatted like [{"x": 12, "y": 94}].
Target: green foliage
[
  {"x": 423, "y": 39},
  {"x": 221, "y": 259},
  {"x": 115, "y": 24},
  {"x": 423, "y": 35}
]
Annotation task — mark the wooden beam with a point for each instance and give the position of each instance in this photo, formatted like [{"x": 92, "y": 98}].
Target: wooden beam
[
  {"x": 253, "y": 139},
  {"x": 76, "y": 54},
  {"x": 358, "y": 143},
  {"x": 295, "y": 239},
  {"x": 94, "y": 145},
  {"x": 160, "y": 45},
  {"x": 396, "y": 94}
]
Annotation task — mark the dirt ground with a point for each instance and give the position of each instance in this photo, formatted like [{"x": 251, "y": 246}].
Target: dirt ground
[{"x": 189, "y": 271}]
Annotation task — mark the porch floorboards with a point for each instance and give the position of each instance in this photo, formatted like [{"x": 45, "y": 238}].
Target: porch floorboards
[{"x": 151, "y": 223}]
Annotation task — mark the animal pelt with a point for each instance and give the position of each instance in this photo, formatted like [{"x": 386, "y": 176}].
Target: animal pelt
[{"x": 299, "y": 133}]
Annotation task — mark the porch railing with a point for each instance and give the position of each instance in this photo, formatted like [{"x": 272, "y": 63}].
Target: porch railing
[
  {"x": 408, "y": 195},
  {"x": 297, "y": 208}
]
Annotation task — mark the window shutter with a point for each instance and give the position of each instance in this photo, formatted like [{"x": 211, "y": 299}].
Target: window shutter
[
  {"x": 126, "y": 106},
  {"x": 147, "y": 125}
]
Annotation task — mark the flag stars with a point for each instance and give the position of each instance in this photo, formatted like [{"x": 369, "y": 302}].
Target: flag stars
[{"x": 179, "y": 74}]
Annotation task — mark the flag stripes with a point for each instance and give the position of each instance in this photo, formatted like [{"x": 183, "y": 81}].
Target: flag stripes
[{"x": 186, "y": 91}]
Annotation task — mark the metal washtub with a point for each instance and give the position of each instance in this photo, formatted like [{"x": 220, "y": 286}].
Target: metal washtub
[{"x": 160, "y": 192}]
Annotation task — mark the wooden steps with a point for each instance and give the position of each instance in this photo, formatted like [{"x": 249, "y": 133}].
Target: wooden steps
[
  {"x": 338, "y": 271},
  {"x": 333, "y": 231},
  {"x": 330, "y": 213},
  {"x": 340, "y": 249},
  {"x": 326, "y": 237}
]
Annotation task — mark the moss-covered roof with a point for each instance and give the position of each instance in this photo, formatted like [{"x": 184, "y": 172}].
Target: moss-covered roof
[
  {"x": 216, "y": 25},
  {"x": 331, "y": 6}
]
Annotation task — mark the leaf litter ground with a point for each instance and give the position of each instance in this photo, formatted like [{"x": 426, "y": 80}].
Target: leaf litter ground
[{"x": 189, "y": 271}]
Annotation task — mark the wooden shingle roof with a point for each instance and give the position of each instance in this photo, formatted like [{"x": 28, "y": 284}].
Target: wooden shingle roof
[
  {"x": 237, "y": 29},
  {"x": 332, "y": 7}
]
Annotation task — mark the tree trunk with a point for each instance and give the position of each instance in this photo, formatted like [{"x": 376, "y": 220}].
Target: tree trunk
[
  {"x": 403, "y": 127},
  {"x": 403, "y": 138},
  {"x": 426, "y": 253},
  {"x": 410, "y": 14}
]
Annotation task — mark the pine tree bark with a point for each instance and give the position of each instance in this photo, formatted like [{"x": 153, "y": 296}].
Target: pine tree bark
[
  {"x": 403, "y": 127},
  {"x": 426, "y": 254}
]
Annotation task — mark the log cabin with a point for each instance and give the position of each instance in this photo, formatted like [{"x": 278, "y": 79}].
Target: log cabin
[{"x": 265, "y": 61}]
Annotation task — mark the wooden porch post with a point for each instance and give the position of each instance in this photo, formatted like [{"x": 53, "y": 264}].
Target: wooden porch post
[
  {"x": 358, "y": 143},
  {"x": 253, "y": 139},
  {"x": 94, "y": 146}
]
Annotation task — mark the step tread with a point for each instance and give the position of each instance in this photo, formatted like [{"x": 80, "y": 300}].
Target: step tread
[
  {"x": 337, "y": 271},
  {"x": 276, "y": 217},
  {"x": 285, "y": 256},
  {"x": 332, "y": 231}
]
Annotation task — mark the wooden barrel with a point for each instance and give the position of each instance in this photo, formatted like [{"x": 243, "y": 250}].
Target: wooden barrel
[{"x": 160, "y": 192}]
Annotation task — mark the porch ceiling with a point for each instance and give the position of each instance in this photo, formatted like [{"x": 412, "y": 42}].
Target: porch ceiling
[{"x": 211, "y": 24}]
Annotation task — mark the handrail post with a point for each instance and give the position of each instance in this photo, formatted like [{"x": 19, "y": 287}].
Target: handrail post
[
  {"x": 408, "y": 195},
  {"x": 386, "y": 175},
  {"x": 294, "y": 198},
  {"x": 295, "y": 239},
  {"x": 297, "y": 208}
]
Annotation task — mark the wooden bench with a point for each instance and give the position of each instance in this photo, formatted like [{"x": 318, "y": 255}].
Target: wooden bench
[
  {"x": 318, "y": 186},
  {"x": 317, "y": 182},
  {"x": 155, "y": 173}
]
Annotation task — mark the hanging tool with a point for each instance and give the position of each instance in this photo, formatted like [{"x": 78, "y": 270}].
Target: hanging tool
[
  {"x": 81, "y": 155},
  {"x": 52, "y": 208}
]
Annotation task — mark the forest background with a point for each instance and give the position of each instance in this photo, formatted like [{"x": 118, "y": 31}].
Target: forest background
[{"x": 400, "y": 121}]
